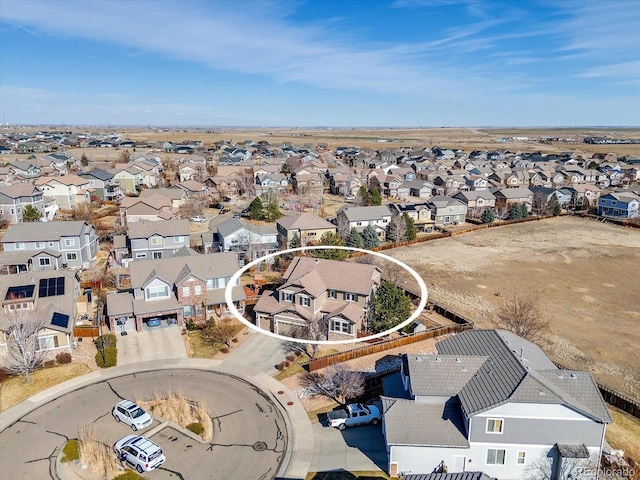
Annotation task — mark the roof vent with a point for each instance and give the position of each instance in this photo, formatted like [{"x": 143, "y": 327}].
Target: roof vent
[
  {"x": 560, "y": 375},
  {"x": 418, "y": 359},
  {"x": 490, "y": 372},
  {"x": 477, "y": 375},
  {"x": 458, "y": 360},
  {"x": 464, "y": 369},
  {"x": 541, "y": 393},
  {"x": 438, "y": 359},
  {"x": 573, "y": 375}
]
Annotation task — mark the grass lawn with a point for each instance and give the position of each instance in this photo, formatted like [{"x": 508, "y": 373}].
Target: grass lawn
[
  {"x": 201, "y": 348},
  {"x": 295, "y": 367},
  {"x": 372, "y": 475},
  {"x": 14, "y": 390},
  {"x": 623, "y": 433}
]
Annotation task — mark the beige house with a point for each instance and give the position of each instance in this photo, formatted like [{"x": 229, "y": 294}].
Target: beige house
[
  {"x": 309, "y": 229},
  {"x": 329, "y": 297},
  {"x": 68, "y": 191}
]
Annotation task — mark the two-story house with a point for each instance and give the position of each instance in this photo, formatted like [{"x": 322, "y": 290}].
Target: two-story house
[
  {"x": 156, "y": 240},
  {"x": 276, "y": 182},
  {"x": 491, "y": 401},
  {"x": 76, "y": 241},
  {"x": 14, "y": 198},
  {"x": 69, "y": 191},
  {"x": 307, "y": 227},
  {"x": 185, "y": 286},
  {"x": 508, "y": 196},
  {"x": 447, "y": 210},
  {"x": 420, "y": 213},
  {"x": 51, "y": 296},
  {"x": 622, "y": 204},
  {"x": 247, "y": 240},
  {"x": 153, "y": 208},
  {"x": 377, "y": 217},
  {"x": 477, "y": 199},
  {"x": 103, "y": 184},
  {"x": 334, "y": 294}
]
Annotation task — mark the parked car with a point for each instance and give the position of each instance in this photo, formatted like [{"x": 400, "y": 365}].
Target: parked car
[
  {"x": 224, "y": 210},
  {"x": 198, "y": 219},
  {"x": 226, "y": 199},
  {"x": 130, "y": 413},
  {"x": 216, "y": 205},
  {"x": 349, "y": 197},
  {"x": 354, "y": 414},
  {"x": 153, "y": 322},
  {"x": 139, "y": 452}
]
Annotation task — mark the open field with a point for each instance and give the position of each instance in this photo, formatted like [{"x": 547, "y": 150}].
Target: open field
[{"x": 583, "y": 271}]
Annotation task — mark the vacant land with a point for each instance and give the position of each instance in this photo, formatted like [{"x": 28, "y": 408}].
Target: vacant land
[{"x": 585, "y": 273}]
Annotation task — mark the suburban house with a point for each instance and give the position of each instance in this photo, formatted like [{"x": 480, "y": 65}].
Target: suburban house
[
  {"x": 52, "y": 296},
  {"x": 584, "y": 194},
  {"x": 307, "y": 183},
  {"x": 420, "y": 213},
  {"x": 420, "y": 188},
  {"x": 129, "y": 178},
  {"x": 477, "y": 199},
  {"x": 563, "y": 195},
  {"x": 277, "y": 182},
  {"x": 491, "y": 401},
  {"x": 344, "y": 183},
  {"x": 27, "y": 169},
  {"x": 14, "y": 198},
  {"x": 153, "y": 208},
  {"x": 178, "y": 196},
  {"x": 75, "y": 241},
  {"x": 185, "y": 286},
  {"x": 155, "y": 240},
  {"x": 377, "y": 217},
  {"x": 331, "y": 293},
  {"x": 103, "y": 185},
  {"x": 69, "y": 191},
  {"x": 447, "y": 210},
  {"x": 191, "y": 172},
  {"x": 308, "y": 228},
  {"x": 508, "y": 196},
  {"x": 248, "y": 241},
  {"x": 621, "y": 204}
]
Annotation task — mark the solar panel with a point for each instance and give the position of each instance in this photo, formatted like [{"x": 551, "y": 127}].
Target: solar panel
[
  {"x": 51, "y": 287},
  {"x": 60, "y": 320},
  {"x": 22, "y": 291}
]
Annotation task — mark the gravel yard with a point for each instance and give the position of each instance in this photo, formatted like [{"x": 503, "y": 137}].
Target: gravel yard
[{"x": 585, "y": 273}]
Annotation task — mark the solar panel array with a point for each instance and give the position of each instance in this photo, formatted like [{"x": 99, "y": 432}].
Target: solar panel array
[
  {"x": 51, "y": 287},
  {"x": 60, "y": 320},
  {"x": 16, "y": 293}
]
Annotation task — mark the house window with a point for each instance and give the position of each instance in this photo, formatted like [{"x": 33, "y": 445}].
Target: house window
[
  {"x": 197, "y": 289},
  {"x": 185, "y": 291},
  {"x": 44, "y": 262},
  {"x": 495, "y": 456},
  {"x": 141, "y": 255},
  {"x": 522, "y": 458},
  {"x": 157, "y": 255},
  {"x": 39, "y": 244},
  {"x": 69, "y": 242},
  {"x": 305, "y": 301},
  {"x": 19, "y": 245},
  {"x": 339, "y": 325},
  {"x": 47, "y": 343},
  {"x": 179, "y": 239},
  {"x": 351, "y": 297},
  {"x": 494, "y": 425},
  {"x": 161, "y": 291},
  {"x": 287, "y": 297},
  {"x": 72, "y": 256},
  {"x": 332, "y": 294},
  {"x": 156, "y": 241},
  {"x": 18, "y": 306}
]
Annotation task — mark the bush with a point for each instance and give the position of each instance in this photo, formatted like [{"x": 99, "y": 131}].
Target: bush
[
  {"x": 70, "y": 451},
  {"x": 280, "y": 366},
  {"x": 191, "y": 325},
  {"x": 291, "y": 357},
  {"x": 196, "y": 428},
  {"x": 49, "y": 363},
  {"x": 106, "y": 340},
  {"x": 110, "y": 358},
  {"x": 63, "y": 357},
  {"x": 224, "y": 350},
  {"x": 129, "y": 475},
  {"x": 234, "y": 340}
]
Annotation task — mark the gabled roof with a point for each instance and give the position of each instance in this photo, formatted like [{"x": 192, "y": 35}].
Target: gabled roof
[
  {"x": 20, "y": 190},
  {"x": 305, "y": 221},
  {"x": 357, "y": 214},
  {"x": 43, "y": 231},
  {"x": 169, "y": 228},
  {"x": 517, "y": 192},
  {"x": 98, "y": 173},
  {"x": 64, "y": 180},
  {"x": 172, "y": 193}
]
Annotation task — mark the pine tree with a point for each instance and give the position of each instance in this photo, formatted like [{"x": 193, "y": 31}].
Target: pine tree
[
  {"x": 389, "y": 307},
  {"x": 256, "y": 209},
  {"x": 355, "y": 239},
  {"x": 556, "y": 209},
  {"x": 514, "y": 211},
  {"x": 488, "y": 216},
  {"x": 524, "y": 211},
  {"x": 295, "y": 241},
  {"x": 330, "y": 239},
  {"x": 375, "y": 196},
  {"x": 411, "y": 232},
  {"x": 370, "y": 237}
]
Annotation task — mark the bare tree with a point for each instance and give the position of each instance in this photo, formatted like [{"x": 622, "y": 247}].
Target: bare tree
[
  {"x": 5, "y": 220},
  {"x": 543, "y": 468},
  {"x": 540, "y": 203},
  {"x": 191, "y": 208},
  {"x": 337, "y": 382},
  {"x": 221, "y": 331},
  {"x": 502, "y": 211},
  {"x": 314, "y": 329},
  {"x": 344, "y": 227},
  {"x": 397, "y": 228},
  {"x": 520, "y": 314},
  {"x": 21, "y": 328}
]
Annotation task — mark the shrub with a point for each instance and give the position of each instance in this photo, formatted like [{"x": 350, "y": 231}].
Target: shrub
[
  {"x": 191, "y": 325},
  {"x": 63, "y": 357},
  {"x": 49, "y": 363},
  {"x": 70, "y": 451},
  {"x": 110, "y": 358},
  {"x": 291, "y": 357},
  {"x": 106, "y": 340},
  {"x": 234, "y": 340},
  {"x": 129, "y": 475},
  {"x": 280, "y": 366},
  {"x": 224, "y": 350},
  {"x": 196, "y": 428}
]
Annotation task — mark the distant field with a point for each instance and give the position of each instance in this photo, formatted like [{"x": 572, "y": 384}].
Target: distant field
[{"x": 583, "y": 271}]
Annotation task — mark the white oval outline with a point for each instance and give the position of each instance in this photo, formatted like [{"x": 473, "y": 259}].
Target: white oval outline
[{"x": 236, "y": 278}]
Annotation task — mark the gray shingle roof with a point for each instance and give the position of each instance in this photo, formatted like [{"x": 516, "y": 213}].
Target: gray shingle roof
[
  {"x": 357, "y": 214},
  {"x": 441, "y": 374},
  {"x": 42, "y": 231},
  {"x": 305, "y": 221},
  {"x": 169, "y": 228}
]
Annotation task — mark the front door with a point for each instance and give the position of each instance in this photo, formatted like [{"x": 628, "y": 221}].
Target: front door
[{"x": 459, "y": 463}]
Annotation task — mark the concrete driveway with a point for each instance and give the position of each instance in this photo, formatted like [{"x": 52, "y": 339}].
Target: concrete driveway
[{"x": 155, "y": 343}]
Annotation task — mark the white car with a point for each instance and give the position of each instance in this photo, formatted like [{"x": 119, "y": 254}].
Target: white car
[
  {"x": 139, "y": 452},
  {"x": 354, "y": 414},
  {"x": 131, "y": 414},
  {"x": 198, "y": 219}
]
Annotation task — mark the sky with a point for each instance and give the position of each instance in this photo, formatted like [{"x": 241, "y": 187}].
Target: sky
[{"x": 312, "y": 63}]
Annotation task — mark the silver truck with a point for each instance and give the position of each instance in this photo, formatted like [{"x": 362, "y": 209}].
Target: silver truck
[{"x": 354, "y": 414}]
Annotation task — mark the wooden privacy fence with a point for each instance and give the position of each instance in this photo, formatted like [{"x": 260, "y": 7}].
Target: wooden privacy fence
[
  {"x": 323, "y": 362},
  {"x": 625, "y": 404},
  {"x": 86, "y": 332}
]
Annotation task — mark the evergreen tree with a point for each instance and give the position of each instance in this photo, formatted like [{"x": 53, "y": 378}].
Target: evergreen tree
[
  {"x": 389, "y": 307},
  {"x": 365, "y": 196},
  {"x": 84, "y": 160},
  {"x": 355, "y": 239},
  {"x": 524, "y": 211},
  {"x": 295, "y": 241},
  {"x": 411, "y": 232},
  {"x": 31, "y": 214},
  {"x": 556, "y": 209},
  {"x": 514, "y": 211},
  {"x": 376, "y": 198},
  {"x": 272, "y": 212},
  {"x": 256, "y": 209},
  {"x": 488, "y": 216},
  {"x": 330, "y": 239},
  {"x": 370, "y": 237}
]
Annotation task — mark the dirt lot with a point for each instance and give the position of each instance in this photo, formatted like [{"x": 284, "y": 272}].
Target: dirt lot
[{"x": 585, "y": 273}]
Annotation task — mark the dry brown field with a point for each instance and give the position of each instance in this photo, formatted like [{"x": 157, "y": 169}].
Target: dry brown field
[{"x": 583, "y": 271}]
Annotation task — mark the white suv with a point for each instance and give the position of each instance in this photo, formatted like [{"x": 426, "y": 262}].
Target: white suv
[
  {"x": 131, "y": 414},
  {"x": 139, "y": 452}
]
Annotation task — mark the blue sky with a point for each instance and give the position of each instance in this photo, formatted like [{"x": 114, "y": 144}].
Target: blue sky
[{"x": 341, "y": 63}]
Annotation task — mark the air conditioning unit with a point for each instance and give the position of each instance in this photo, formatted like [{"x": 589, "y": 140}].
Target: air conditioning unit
[{"x": 74, "y": 345}]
